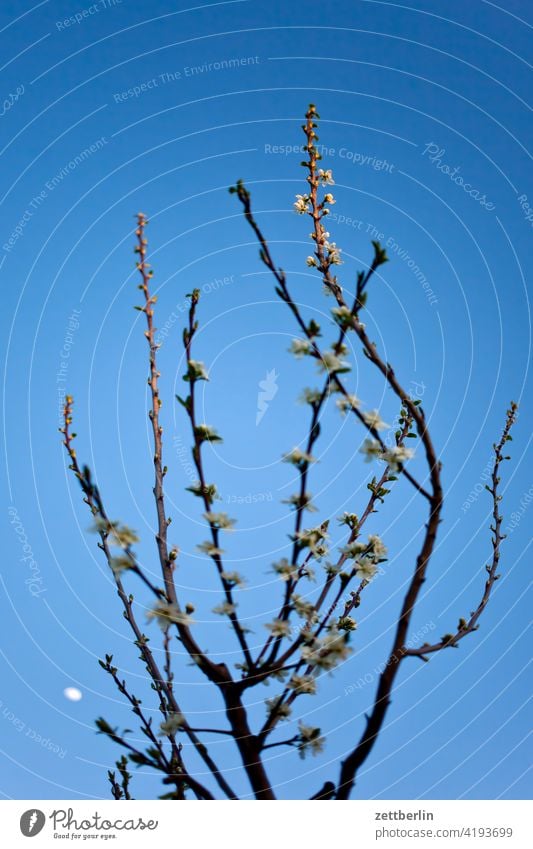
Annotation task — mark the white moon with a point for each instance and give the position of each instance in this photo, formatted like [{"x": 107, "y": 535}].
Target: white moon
[{"x": 72, "y": 694}]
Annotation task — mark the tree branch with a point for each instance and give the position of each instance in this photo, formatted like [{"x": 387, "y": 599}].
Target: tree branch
[
  {"x": 468, "y": 626},
  {"x": 93, "y": 500},
  {"x": 206, "y": 494}
]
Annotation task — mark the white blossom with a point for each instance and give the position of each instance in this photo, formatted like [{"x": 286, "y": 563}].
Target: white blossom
[
  {"x": 120, "y": 564},
  {"x": 326, "y": 652},
  {"x": 354, "y": 549},
  {"x": 326, "y": 177},
  {"x": 334, "y": 253},
  {"x": 373, "y": 419},
  {"x": 379, "y": 549},
  {"x": 173, "y": 723},
  {"x": 279, "y": 628},
  {"x": 300, "y": 347},
  {"x": 303, "y": 684},
  {"x": 298, "y": 458},
  {"x": 396, "y": 456},
  {"x": 303, "y": 502},
  {"x": 310, "y": 396},
  {"x": 221, "y": 521},
  {"x": 321, "y": 550},
  {"x": 206, "y": 433},
  {"x": 118, "y": 534},
  {"x": 122, "y": 535},
  {"x": 343, "y": 316},
  {"x": 311, "y": 261},
  {"x": 366, "y": 569},
  {"x": 346, "y": 623},
  {"x": 210, "y": 548},
  {"x": 287, "y": 571},
  {"x": 283, "y": 710},
  {"x": 310, "y": 740},
  {"x": 350, "y": 519},
  {"x": 166, "y": 614},
  {"x": 331, "y": 363},
  {"x": 371, "y": 449},
  {"x": 347, "y": 402},
  {"x": 210, "y": 490},
  {"x": 301, "y": 205},
  {"x": 233, "y": 578},
  {"x": 225, "y": 608},
  {"x": 278, "y": 674},
  {"x": 313, "y": 538},
  {"x": 304, "y": 609},
  {"x": 196, "y": 371}
]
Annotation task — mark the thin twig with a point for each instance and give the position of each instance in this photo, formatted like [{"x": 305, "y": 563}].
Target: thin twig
[
  {"x": 470, "y": 625},
  {"x": 93, "y": 500},
  {"x": 204, "y": 491}
]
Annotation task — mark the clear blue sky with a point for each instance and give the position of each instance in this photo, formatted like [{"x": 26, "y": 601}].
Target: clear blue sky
[{"x": 128, "y": 107}]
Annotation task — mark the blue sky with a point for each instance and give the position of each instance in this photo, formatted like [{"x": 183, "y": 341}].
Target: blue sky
[{"x": 113, "y": 107}]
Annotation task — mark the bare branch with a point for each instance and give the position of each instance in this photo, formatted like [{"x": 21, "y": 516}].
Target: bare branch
[
  {"x": 204, "y": 491},
  {"x": 470, "y": 625}
]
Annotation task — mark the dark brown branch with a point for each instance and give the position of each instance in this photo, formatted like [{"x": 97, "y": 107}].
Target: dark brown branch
[
  {"x": 375, "y": 721},
  {"x": 231, "y": 691},
  {"x": 205, "y": 495},
  {"x": 181, "y": 777},
  {"x": 212, "y": 731},
  {"x": 116, "y": 789},
  {"x": 215, "y": 672},
  {"x": 146, "y": 274},
  {"x": 283, "y": 292},
  {"x": 326, "y": 792},
  {"x": 247, "y": 744},
  {"x": 313, "y": 434},
  {"x": 288, "y": 696},
  {"x": 93, "y": 499},
  {"x": 386, "y": 681},
  {"x": 435, "y": 497},
  {"x": 470, "y": 625},
  {"x": 122, "y": 766},
  {"x": 290, "y": 742}
]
